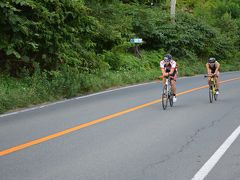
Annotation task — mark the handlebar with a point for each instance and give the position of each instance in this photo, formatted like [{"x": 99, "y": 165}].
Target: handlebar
[
  {"x": 211, "y": 75},
  {"x": 166, "y": 77}
]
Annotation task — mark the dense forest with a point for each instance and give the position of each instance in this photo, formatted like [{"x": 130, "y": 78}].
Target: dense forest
[{"x": 53, "y": 49}]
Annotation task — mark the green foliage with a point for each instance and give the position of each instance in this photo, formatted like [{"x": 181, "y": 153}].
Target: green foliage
[
  {"x": 113, "y": 30},
  {"x": 151, "y": 59},
  {"x": 189, "y": 34},
  {"x": 153, "y": 26},
  {"x": 44, "y": 31},
  {"x": 90, "y": 35},
  {"x": 227, "y": 6}
]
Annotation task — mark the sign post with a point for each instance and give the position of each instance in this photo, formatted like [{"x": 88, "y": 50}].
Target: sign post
[{"x": 136, "y": 42}]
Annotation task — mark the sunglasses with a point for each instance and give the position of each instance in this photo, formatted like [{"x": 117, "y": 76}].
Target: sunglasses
[{"x": 167, "y": 60}]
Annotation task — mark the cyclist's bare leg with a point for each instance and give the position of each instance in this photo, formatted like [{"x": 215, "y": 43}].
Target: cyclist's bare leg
[
  {"x": 217, "y": 82},
  {"x": 173, "y": 85},
  {"x": 163, "y": 82},
  {"x": 209, "y": 80}
]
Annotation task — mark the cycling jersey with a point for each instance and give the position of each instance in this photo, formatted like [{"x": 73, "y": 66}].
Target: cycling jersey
[
  {"x": 167, "y": 67},
  {"x": 171, "y": 65},
  {"x": 213, "y": 66}
]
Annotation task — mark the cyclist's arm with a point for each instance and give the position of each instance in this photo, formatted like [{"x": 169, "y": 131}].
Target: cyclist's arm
[
  {"x": 208, "y": 69},
  {"x": 174, "y": 66},
  {"x": 162, "y": 68},
  {"x": 217, "y": 68},
  {"x": 163, "y": 72},
  {"x": 171, "y": 71}
]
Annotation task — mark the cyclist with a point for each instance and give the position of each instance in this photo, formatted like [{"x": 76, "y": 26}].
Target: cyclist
[
  {"x": 169, "y": 68},
  {"x": 213, "y": 69}
]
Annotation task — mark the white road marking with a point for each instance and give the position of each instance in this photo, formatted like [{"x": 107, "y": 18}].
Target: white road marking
[{"x": 207, "y": 167}]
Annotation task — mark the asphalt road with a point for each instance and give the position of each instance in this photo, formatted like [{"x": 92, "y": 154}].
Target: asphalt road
[{"x": 125, "y": 134}]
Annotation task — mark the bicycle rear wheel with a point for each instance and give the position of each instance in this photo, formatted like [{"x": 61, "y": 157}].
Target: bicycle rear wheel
[
  {"x": 210, "y": 94},
  {"x": 164, "y": 97},
  {"x": 171, "y": 99}
]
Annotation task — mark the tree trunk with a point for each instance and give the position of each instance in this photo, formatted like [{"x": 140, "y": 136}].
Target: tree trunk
[{"x": 173, "y": 10}]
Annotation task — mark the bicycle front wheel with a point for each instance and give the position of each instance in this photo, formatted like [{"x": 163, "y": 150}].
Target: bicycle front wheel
[
  {"x": 164, "y": 97},
  {"x": 210, "y": 94}
]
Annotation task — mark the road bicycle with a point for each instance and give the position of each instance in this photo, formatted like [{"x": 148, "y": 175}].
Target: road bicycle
[
  {"x": 212, "y": 88},
  {"x": 167, "y": 93}
]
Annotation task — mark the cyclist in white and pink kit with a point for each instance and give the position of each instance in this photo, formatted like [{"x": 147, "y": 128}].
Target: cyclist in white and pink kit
[{"x": 169, "y": 68}]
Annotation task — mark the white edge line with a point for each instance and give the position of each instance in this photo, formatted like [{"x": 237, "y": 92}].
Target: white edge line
[
  {"x": 207, "y": 167},
  {"x": 86, "y": 96},
  {"x": 72, "y": 99}
]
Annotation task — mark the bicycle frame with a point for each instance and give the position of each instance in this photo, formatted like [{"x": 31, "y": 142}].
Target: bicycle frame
[
  {"x": 213, "y": 84},
  {"x": 168, "y": 84}
]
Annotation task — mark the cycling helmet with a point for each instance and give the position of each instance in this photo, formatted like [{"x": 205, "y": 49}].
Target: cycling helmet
[
  {"x": 211, "y": 60},
  {"x": 167, "y": 57}
]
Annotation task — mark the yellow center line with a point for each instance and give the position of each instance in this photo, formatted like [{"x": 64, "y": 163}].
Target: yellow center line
[{"x": 78, "y": 127}]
